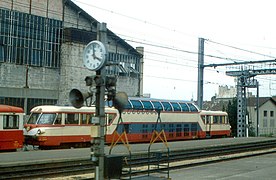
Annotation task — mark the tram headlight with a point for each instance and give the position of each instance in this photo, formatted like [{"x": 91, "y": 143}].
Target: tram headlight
[{"x": 40, "y": 131}]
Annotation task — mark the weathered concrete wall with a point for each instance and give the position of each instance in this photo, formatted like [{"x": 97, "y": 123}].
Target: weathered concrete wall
[{"x": 45, "y": 8}]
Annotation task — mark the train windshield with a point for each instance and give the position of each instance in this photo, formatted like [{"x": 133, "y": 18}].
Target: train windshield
[
  {"x": 33, "y": 118},
  {"x": 36, "y": 118},
  {"x": 46, "y": 119}
]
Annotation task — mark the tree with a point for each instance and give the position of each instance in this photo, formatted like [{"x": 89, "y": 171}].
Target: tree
[{"x": 232, "y": 115}]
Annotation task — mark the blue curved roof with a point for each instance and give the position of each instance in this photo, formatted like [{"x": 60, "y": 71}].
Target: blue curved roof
[{"x": 137, "y": 103}]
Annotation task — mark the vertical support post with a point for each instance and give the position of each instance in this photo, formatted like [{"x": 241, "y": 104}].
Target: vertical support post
[
  {"x": 100, "y": 111},
  {"x": 257, "y": 108},
  {"x": 241, "y": 108},
  {"x": 141, "y": 70},
  {"x": 200, "y": 72}
]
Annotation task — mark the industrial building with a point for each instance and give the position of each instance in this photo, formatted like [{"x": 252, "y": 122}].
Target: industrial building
[{"x": 41, "y": 49}]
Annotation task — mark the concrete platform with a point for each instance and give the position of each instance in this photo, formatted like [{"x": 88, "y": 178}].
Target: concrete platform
[{"x": 253, "y": 168}]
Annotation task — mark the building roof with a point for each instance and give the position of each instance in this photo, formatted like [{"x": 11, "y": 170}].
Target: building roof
[
  {"x": 215, "y": 105},
  {"x": 252, "y": 101},
  {"x": 110, "y": 34}
]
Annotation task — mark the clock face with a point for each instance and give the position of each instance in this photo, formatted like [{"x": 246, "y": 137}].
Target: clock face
[{"x": 94, "y": 55}]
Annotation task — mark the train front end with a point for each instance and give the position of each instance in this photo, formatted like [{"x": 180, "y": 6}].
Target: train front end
[{"x": 39, "y": 129}]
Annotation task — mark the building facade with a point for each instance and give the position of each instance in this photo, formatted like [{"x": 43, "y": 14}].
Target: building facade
[
  {"x": 267, "y": 118},
  {"x": 41, "y": 47}
]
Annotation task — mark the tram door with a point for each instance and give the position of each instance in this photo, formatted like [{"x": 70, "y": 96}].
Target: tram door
[{"x": 208, "y": 121}]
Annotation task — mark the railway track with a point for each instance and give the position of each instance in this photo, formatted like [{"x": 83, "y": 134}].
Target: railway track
[{"x": 139, "y": 163}]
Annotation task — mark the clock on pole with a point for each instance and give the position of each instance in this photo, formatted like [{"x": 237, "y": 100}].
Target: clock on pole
[{"x": 94, "y": 55}]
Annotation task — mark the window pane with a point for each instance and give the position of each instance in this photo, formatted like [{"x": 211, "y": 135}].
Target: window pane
[
  {"x": 10, "y": 122},
  {"x": 265, "y": 113},
  {"x": 136, "y": 104},
  {"x": 184, "y": 107},
  {"x": 157, "y": 105},
  {"x": 72, "y": 119},
  {"x": 33, "y": 118},
  {"x": 46, "y": 119},
  {"x": 192, "y": 107},
  {"x": 167, "y": 106},
  {"x": 176, "y": 106},
  {"x": 147, "y": 105},
  {"x": 58, "y": 120}
]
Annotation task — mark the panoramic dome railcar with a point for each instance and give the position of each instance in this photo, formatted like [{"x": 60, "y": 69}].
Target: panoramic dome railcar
[{"x": 54, "y": 126}]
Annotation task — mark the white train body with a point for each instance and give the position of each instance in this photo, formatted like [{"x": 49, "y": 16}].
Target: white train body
[{"x": 57, "y": 126}]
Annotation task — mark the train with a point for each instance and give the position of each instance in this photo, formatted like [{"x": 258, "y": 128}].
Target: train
[
  {"x": 11, "y": 128},
  {"x": 51, "y": 126}
]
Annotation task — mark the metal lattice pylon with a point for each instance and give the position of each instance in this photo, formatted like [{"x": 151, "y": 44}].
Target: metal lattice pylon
[{"x": 241, "y": 107}]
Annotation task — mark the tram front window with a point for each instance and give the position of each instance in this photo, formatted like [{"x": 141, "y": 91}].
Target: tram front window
[
  {"x": 46, "y": 119},
  {"x": 33, "y": 118}
]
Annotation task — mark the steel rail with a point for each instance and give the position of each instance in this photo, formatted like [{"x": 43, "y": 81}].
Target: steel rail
[{"x": 64, "y": 168}]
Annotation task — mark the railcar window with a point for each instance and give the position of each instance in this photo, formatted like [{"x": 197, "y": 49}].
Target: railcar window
[
  {"x": 137, "y": 104},
  {"x": 11, "y": 122},
  {"x": 109, "y": 118},
  {"x": 147, "y": 105},
  {"x": 58, "y": 119},
  {"x": 163, "y": 127},
  {"x": 72, "y": 119},
  {"x": 226, "y": 119},
  {"x": 157, "y": 105},
  {"x": 176, "y": 106},
  {"x": 186, "y": 130},
  {"x": 203, "y": 119},
  {"x": 215, "y": 119},
  {"x": 33, "y": 118},
  {"x": 192, "y": 107},
  {"x": 184, "y": 107},
  {"x": 86, "y": 118},
  {"x": 208, "y": 119},
  {"x": 167, "y": 106},
  {"x": 221, "y": 119},
  {"x": 178, "y": 130},
  {"x": 194, "y": 129},
  {"x": 171, "y": 130},
  {"x": 46, "y": 119}
]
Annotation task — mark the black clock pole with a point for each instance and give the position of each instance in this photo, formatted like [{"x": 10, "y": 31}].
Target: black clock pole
[{"x": 100, "y": 110}]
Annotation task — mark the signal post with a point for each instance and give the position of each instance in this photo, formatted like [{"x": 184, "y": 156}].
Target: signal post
[
  {"x": 94, "y": 58},
  {"x": 100, "y": 112}
]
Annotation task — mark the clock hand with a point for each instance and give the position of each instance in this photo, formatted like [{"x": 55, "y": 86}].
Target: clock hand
[
  {"x": 97, "y": 58},
  {"x": 93, "y": 47}
]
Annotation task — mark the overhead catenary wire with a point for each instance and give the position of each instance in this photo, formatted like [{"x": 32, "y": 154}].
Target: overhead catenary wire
[{"x": 156, "y": 44}]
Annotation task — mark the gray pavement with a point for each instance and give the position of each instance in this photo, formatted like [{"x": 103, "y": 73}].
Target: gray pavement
[{"x": 253, "y": 168}]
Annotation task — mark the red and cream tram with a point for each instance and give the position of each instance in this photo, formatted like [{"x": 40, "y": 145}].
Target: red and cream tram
[
  {"x": 58, "y": 126},
  {"x": 11, "y": 125}
]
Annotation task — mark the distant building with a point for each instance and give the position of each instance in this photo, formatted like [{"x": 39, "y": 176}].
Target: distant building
[
  {"x": 220, "y": 101},
  {"x": 225, "y": 92},
  {"x": 41, "y": 47},
  {"x": 267, "y": 117},
  {"x": 267, "y": 110}
]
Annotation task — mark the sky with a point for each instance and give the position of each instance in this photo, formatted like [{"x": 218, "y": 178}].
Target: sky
[{"x": 169, "y": 30}]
